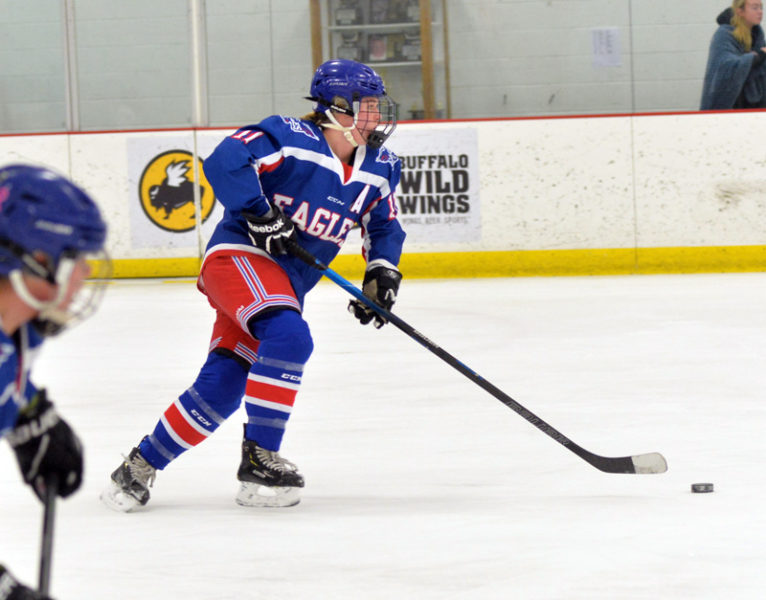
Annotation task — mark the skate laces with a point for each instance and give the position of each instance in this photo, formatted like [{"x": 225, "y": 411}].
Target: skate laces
[
  {"x": 273, "y": 460},
  {"x": 140, "y": 470}
]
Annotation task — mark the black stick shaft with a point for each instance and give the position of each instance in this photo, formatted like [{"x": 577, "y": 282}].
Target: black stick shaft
[
  {"x": 46, "y": 550},
  {"x": 647, "y": 463}
]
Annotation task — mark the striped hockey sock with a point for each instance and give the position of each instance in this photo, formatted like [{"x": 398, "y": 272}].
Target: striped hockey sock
[
  {"x": 269, "y": 397},
  {"x": 214, "y": 396},
  {"x": 183, "y": 425}
]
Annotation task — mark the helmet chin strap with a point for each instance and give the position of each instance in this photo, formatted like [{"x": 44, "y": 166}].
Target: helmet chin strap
[
  {"x": 47, "y": 309},
  {"x": 333, "y": 124}
]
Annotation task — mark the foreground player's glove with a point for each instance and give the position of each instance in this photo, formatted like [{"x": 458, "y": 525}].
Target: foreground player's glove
[
  {"x": 46, "y": 448},
  {"x": 12, "y": 589},
  {"x": 380, "y": 285},
  {"x": 271, "y": 231}
]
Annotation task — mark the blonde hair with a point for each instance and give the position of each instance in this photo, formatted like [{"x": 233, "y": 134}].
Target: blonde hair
[
  {"x": 742, "y": 31},
  {"x": 319, "y": 118}
]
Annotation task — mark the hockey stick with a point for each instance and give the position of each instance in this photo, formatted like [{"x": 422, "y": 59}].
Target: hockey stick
[
  {"x": 652, "y": 462},
  {"x": 46, "y": 550}
]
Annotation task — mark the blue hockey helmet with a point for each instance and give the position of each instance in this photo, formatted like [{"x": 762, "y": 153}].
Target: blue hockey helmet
[
  {"x": 339, "y": 85},
  {"x": 47, "y": 224},
  {"x": 42, "y": 211},
  {"x": 347, "y": 79}
]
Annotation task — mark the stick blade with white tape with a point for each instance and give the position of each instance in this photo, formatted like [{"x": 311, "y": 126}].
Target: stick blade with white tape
[
  {"x": 641, "y": 464},
  {"x": 653, "y": 462}
]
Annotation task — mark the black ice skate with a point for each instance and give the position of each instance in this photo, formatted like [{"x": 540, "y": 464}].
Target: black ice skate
[
  {"x": 130, "y": 483},
  {"x": 266, "y": 478}
]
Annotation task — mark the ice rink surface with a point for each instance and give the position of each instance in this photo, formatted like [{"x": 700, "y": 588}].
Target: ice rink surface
[{"x": 420, "y": 485}]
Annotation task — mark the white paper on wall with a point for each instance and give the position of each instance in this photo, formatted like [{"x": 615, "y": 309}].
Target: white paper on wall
[{"x": 606, "y": 47}]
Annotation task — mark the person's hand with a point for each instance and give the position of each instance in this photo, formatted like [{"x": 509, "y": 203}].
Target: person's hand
[
  {"x": 46, "y": 448},
  {"x": 12, "y": 589},
  {"x": 381, "y": 284},
  {"x": 270, "y": 232}
]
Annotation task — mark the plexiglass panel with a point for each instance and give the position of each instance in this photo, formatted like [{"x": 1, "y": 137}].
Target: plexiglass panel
[
  {"x": 139, "y": 64},
  {"x": 133, "y": 64},
  {"x": 32, "y": 67}
]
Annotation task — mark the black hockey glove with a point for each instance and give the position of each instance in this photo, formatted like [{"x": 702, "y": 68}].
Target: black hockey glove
[
  {"x": 380, "y": 285},
  {"x": 46, "y": 447},
  {"x": 12, "y": 589},
  {"x": 271, "y": 231}
]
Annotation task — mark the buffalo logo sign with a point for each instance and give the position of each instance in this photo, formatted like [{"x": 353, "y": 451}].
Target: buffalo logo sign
[{"x": 166, "y": 191}]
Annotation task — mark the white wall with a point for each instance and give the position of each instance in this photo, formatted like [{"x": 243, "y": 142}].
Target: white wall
[
  {"x": 544, "y": 184},
  {"x": 622, "y": 182}
]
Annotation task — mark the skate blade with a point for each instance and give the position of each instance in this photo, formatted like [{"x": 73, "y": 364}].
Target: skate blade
[
  {"x": 254, "y": 494},
  {"x": 115, "y": 498}
]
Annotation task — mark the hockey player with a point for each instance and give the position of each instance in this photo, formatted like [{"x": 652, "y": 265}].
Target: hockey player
[
  {"x": 285, "y": 180},
  {"x": 48, "y": 226}
]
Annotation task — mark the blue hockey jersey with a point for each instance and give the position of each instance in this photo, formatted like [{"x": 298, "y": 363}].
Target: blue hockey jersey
[
  {"x": 289, "y": 162},
  {"x": 16, "y": 356}
]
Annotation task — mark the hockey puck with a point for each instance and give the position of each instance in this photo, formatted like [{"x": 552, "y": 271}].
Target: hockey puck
[{"x": 702, "y": 488}]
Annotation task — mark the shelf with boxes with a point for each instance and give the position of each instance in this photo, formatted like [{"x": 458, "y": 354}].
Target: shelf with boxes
[{"x": 404, "y": 40}]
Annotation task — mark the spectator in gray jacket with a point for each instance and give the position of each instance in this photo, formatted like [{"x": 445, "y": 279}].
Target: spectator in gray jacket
[{"x": 735, "y": 76}]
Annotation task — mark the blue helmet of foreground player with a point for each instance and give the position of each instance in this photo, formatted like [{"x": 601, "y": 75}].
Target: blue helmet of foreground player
[
  {"x": 47, "y": 226},
  {"x": 43, "y": 212},
  {"x": 339, "y": 85}
]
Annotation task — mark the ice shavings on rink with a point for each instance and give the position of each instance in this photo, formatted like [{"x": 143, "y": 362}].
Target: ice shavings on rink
[{"x": 419, "y": 484}]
